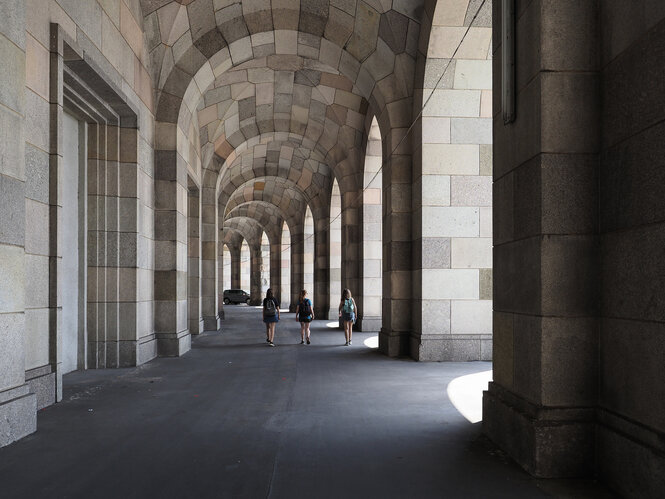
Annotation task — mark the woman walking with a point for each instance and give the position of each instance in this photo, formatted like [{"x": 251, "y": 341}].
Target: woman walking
[
  {"x": 270, "y": 315},
  {"x": 348, "y": 311},
  {"x": 304, "y": 314}
]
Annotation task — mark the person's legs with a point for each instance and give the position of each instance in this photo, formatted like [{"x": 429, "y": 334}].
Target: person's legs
[
  {"x": 302, "y": 332},
  {"x": 271, "y": 331},
  {"x": 346, "y": 331},
  {"x": 307, "y": 331},
  {"x": 267, "y": 331},
  {"x": 350, "y": 330}
]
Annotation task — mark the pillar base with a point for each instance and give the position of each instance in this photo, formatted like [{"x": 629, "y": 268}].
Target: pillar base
[
  {"x": 18, "y": 414},
  {"x": 546, "y": 442},
  {"x": 211, "y": 323},
  {"x": 173, "y": 344},
  {"x": 393, "y": 343},
  {"x": 195, "y": 326},
  {"x": 632, "y": 465},
  {"x": 41, "y": 381},
  {"x": 451, "y": 348}
]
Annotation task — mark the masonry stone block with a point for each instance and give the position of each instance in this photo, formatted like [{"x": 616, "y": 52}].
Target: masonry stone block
[
  {"x": 12, "y": 290},
  {"x": 471, "y": 317}
]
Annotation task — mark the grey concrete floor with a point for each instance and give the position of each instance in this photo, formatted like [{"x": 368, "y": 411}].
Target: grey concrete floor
[{"x": 236, "y": 418}]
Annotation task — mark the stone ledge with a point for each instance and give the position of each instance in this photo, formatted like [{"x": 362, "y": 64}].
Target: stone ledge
[
  {"x": 18, "y": 418},
  {"x": 546, "y": 442}
]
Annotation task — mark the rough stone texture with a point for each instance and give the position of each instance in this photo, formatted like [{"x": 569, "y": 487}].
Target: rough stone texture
[{"x": 18, "y": 417}]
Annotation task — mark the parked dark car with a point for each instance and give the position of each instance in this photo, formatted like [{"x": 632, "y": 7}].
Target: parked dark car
[{"x": 236, "y": 296}]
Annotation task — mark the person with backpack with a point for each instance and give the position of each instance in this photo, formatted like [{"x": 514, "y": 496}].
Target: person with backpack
[
  {"x": 270, "y": 316},
  {"x": 304, "y": 314},
  {"x": 348, "y": 311}
]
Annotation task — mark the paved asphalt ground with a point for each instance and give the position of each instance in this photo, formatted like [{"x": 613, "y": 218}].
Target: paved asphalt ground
[{"x": 236, "y": 418}]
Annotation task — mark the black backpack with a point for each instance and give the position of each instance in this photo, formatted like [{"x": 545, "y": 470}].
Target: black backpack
[
  {"x": 305, "y": 308},
  {"x": 270, "y": 308}
]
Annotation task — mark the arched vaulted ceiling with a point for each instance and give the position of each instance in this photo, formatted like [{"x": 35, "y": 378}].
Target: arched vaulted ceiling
[{"x": 280, "y": 90}]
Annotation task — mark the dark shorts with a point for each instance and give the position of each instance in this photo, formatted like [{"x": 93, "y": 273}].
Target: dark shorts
[
  {"x": 270, "y": 319},
  {"x": 349, "y": 317},
  {"x": 305, "y": 319}
]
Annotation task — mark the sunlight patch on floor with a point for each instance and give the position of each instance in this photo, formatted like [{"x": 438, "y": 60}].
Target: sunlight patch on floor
[
  {"x": 466, "y": 394},
  {"x": 372, "y": 342},
  {"x": 333, "y": 325}
]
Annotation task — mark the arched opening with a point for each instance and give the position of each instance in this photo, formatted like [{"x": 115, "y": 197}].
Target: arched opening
[
  {"x": 245, "y": 266},
  {"x": 265, "y": 263},
  {"x": 335, "y": 248},
  {"x": 372, "y": 250},
  {"x": 308, "y": 253},
  {"x": 285, "y": 268},
  {"x": 226, "y": 268}
]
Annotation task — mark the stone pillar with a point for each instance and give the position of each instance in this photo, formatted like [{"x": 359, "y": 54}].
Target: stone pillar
[
  {"x": 194, "y": 321},
  {"x": 540, "y": 407},
  {"x": 297, "y": 261},
  {"x": 452, "y": 193},
  {"x": 255, "y": 274},
  {"x": 173, "y": 338},
  {"x": 397, "y": 223},
  {"x": 221, "y": 262},
  {"x": 18, "y": 416},
  {"x": 235, "y": 267},
  {"x": 320, "y": 293},
  {"x": 276, "y": 266},
  {"x": 209, "y": 282},
  {"x": 351, "y": 243},
  {"x": 285, "y": 268}
]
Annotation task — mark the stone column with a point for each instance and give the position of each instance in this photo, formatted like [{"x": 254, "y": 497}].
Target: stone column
[
  {"x": 235, "y": 267},
  {"x": 320, "y": 293},
  {"x": 285, "y": 267},
  {"x": 209, "y": 238},
  {"x": 195, "y": 321},
  {"x": 220, "y": 277},
  {"x": 18, "y": 416},
  {"x": 397, "y": 223},
  {"x": 297, "y": 266},
  {"x": 351, "y": 254},
  {"x": 276, "y": 265},
  {"x": 255, "y": 274},
  {"x": 540, "y": 407},
  {"x": 173, "y": 338}
]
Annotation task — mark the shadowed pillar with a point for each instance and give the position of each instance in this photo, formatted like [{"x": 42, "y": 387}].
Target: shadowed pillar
[{"x": 540, "y": 407}]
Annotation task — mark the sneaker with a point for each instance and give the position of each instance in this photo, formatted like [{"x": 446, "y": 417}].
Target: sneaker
[
  {"x": 346, "y": 344},
  {"x": 349, "y": 342},
  {"x": 271, "y": 344},
  {"x": 308, "y": 341},
  {"x": 267, "y": 340},
  {"x": 302, "y": 342}
]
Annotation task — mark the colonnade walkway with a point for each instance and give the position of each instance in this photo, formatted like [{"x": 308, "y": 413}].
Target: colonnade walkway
[{"x": 237, "y": 418}]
